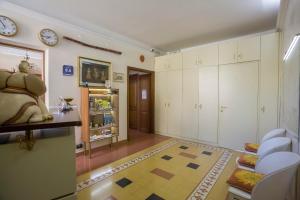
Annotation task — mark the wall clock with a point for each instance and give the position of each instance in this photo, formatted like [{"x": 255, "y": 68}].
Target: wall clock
[
  {"x": 7, "y": 26},
  {"x": 48, "y": 37}
]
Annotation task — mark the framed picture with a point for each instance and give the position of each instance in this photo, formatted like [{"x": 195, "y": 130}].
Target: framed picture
[
  {"x": 92, "y": 72},
  {"x": 118, "y": 77}
]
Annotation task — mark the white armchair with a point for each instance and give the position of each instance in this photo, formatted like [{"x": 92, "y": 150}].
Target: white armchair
[{"x": 279, "y": 169}]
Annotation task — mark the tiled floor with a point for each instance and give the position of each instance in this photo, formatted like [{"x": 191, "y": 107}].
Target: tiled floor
[
  {"x": 104, "y": 155},
  {"x": 173, "y": 169}
]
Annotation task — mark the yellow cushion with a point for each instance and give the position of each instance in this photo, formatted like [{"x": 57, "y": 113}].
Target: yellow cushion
[
  {"x": 248, "y": 160},
  {"x": 251, "y": 147},
  {"x": 244, "y": 180}
]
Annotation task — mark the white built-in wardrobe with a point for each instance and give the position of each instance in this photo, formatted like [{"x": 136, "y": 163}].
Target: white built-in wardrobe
[{"x": 224, "y": 93}]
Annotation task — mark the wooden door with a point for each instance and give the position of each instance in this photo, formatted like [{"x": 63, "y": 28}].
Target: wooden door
[
  {"x": 144, "y": 111},
  {"x": 174, "y": 92},
  {"x": 227, "y": 52},
  {"x": 133, "y": 101},
  {"x": 248, "y": 49},
  {"x": 238, "y": 96},
  {"x": 208, "y": 103},
  {"x": 268, "y": 90},
  {"x": 161, "y": 93},
  {"x": 190, "y": 103}
]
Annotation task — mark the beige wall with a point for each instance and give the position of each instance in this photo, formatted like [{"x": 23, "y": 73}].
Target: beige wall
[
  {"x": 30, "y": 23},
  {"x": 290, "y": 70}
]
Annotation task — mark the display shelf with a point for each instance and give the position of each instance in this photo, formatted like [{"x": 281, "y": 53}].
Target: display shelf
[{"x": 100, "y": 113}]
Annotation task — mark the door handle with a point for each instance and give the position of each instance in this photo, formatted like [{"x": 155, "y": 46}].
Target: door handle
[
  {"x": 196, "y": 106},
  {"x": 263, "y": 109},
  {"x": 168, "y": 104},
  {"x": 222, "y": 108},
  {"x": 200, "y": 106}
]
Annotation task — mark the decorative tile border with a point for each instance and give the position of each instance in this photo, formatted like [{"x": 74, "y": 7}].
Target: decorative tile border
[
  {"x": 202, "y": 190},
  {"x": 89, "y": 182}
]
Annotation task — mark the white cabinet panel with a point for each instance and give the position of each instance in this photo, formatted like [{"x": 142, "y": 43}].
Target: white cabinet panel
[
  {"x": 161, "y": 63},
  {"x": 208, "y": 103},
  {"x": 208, "y": 55},
  {"x": 268, "y": 109},
  {"x": 190, "y": 103},
  {"x": 174, "y": 61},
  {"x": 238, "y": 96},
  {"x": 248, "y": 49},
  {"x": 189, "y": 59},
  {"x": 161, "y": 102},
  {"x": 174, "y": 92},
  {"x": 227, "y": 52}
]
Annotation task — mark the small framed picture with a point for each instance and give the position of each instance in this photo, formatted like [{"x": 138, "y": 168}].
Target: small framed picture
[
  {"x": 118, "y": 77},
  {"x": 92, "y": 72}
]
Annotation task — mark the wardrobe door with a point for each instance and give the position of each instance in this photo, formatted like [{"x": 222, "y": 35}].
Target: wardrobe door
[
  {"x": 174, "y": 61},
  {"x": 190, "y": 103},
  {"x": 238, "y": 98},
  {"x": 227, "y": 52},
  {"x": 248, "y": 49},
  {"x": 189, "y": 59},
  {"x": 268, "y": 94},
  {"x": 161, "y": 102},
  {"x": 208, "y": 55},
  {"x": 208, "y": 103},
  {"x": 174, "y": 82}
]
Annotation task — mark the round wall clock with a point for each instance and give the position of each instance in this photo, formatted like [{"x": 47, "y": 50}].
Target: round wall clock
[
  {"x": 48, "y": 37},
  {"x": 7, "y": 26}
]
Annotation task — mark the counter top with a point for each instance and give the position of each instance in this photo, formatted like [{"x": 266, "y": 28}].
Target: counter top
[{"x": 60, "y": 119}]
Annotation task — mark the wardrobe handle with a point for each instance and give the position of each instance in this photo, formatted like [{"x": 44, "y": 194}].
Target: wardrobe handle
[
  {"x": 168, "y": 104},
  {"x": 196, "y": 106},
  {"x": 200, "y": 106},
  {"x": 263, "y": 109},
  {"x": 222, "y": 108}
]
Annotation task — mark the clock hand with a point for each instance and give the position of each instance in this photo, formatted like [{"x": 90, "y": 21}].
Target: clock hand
[{"x": 3, "y": 24}]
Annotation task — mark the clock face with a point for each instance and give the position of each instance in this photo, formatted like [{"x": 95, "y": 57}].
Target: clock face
[
  {"x": 7, "y": 26},
  {"x": 48, "y": 37}
]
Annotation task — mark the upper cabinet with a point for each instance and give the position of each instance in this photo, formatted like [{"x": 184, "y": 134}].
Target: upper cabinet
[
  {"x": 168, "y": 62},
  {"x": 204, "y": 55},
  {"x": 241, "y": 50}
]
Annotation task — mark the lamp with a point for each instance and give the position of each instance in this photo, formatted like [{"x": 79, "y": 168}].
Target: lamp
[{"x": 291, "y": 47}]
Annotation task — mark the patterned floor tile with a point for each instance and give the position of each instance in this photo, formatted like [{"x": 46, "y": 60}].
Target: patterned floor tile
[
  {"x": 123, "y": 182},
  {"x": 166, "y": 157},
  {"x": 154, "y": 197},
  {"x": 183, "y": 147},
  {"x": 162, "y": 173},
  {"x": 188, "y": 155},
  {"x": 193, "y": 165},
  {"x": 208, "y": 153}
]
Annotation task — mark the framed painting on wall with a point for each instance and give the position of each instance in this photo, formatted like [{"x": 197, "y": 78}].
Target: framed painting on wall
[
  {"x": 118, "y": 77},
  {"x": 93, "y": 73}
]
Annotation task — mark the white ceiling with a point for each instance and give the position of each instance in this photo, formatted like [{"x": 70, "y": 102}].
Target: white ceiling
[{"x": 165, "y": 24}]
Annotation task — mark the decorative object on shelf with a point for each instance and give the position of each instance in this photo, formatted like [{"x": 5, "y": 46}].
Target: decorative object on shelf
[
  {"x": 118, "y": 77},
  {"x": 142, "y": 58},
  {"x": 8, "y": 27},
  {"x": 93, "y": 46},
  {"x": 68, "y": 70},
  {"x": 107, "y": 84},
  {"x": 20, "y": 97},
  {"x": 93, "y": 73},
  {"x": 48, "y": 37},
  {"x": 65, "y": 104},
  {"x": 100, "y": 115}
]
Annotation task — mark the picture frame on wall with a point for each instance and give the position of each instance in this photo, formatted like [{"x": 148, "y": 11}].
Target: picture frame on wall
[
  {"x": 93, "y": 73},
  {"x": 118, "y": 77}
]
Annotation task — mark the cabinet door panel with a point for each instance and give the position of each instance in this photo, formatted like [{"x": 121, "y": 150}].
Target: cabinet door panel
[
  {"x": 190, "y": 104},
  {"x": 174, "y": 92},
  {"x": 189, "y": 59},
  {"x": 268, "y": 109},
  {"x": 249, "y": 49},
  {"x": 208, "y": 103},
  {"x": 227, "y": 52},
  {"x": 161, "y": 102},
  {"x": 238, "y": 96},
  {"x": 208, "y": 55},
  {"x": 161, "y": 63},
  {"x": 174, "y": 61}
]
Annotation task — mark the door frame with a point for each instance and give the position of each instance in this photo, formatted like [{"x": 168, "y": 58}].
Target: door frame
[{"x": 152, "y": 97}]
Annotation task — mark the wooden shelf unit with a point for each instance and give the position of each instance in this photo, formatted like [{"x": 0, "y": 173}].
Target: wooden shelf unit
[{"x": 99, "y": 122}]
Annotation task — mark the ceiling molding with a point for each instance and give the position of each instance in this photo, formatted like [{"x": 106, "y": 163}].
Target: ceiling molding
[
  {"x": 97, "y": 30},
  {"x": 282, "y": 14}
]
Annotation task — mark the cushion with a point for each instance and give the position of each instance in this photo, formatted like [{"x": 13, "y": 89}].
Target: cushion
[
  {"x": 278, "y": 132},
  {"x": 251, "y": 147},
  {"x": 248, "y": 160},
  {"x": 244, "y": 180}
]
